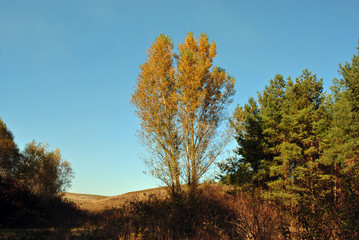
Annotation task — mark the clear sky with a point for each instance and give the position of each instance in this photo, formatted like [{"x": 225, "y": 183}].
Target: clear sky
[{"x": 68, "y": 68}]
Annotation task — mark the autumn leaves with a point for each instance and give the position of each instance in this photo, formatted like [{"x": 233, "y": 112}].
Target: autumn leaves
[{"x": 180, "y": 100}]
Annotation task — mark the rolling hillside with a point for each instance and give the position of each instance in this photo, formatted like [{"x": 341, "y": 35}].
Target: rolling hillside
[{"x": 98, "y": 203}]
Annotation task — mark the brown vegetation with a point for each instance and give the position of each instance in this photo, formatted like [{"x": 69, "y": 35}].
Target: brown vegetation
[
  {"x": 214, "y": 214},
  {"x": 96, "y": 203},
  {"x": 217, "y": 212}
]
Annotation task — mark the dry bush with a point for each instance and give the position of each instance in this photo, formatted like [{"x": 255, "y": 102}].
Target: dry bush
[
  {"x": 257, "y": 218},
  {"x": 211, "y": 214},
  {"x": 204, "y": 217}
]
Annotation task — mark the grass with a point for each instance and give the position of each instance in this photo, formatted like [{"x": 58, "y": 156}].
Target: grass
[
  {"x": 97, "y": 203},
  {"x": 77, "y": 197}
]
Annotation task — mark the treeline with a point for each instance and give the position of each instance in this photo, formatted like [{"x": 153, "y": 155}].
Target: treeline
[
  {"x": 300, "y": 146},
  {"x": 31, "y": 183}
]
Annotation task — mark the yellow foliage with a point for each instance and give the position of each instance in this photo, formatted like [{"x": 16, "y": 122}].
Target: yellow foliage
[{"x": 180, "y": 100}]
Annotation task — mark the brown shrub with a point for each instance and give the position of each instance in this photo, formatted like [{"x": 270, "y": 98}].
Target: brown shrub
[
  {"x": 211, "y": 214},
  {"x": 257, "y": 218}
]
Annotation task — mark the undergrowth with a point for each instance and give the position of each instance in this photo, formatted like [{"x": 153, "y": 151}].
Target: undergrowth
[{"x": 210, "y": 214}]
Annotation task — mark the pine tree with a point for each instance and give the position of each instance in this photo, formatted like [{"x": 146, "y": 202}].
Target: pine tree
[
  {"x": 309, "y": 150},
  {"x": 246, "y": 166},
  {"x": 341, "y": 156},
  {"x": 299, "y": 148},
  {"x": 272, "y": 100}
]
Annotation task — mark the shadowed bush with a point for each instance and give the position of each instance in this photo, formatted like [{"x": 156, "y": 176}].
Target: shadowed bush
[
  {"x": 212, "y": 214},
  {"x": 20, "y": 208}
]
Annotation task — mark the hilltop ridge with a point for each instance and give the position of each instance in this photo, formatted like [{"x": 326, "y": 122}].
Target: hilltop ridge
[{"x": 94, "y": 202}]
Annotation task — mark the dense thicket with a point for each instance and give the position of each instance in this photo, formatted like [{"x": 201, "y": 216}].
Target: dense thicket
[
  {"x": 301, "y": 146},
  {"x": 31, "y": 183},
  {"x": 21, "y": 208},
  {"x": 42, "y": 171}
]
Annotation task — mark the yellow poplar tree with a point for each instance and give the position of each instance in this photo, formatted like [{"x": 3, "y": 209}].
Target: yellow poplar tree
[{"x": 180, "y": 100}]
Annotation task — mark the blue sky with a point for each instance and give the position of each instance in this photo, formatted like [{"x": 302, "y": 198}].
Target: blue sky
[{"x": 68, "y": 68}]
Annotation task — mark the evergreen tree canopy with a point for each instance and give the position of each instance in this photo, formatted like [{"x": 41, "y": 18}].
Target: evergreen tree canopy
[{"x": 302, "y": 146}]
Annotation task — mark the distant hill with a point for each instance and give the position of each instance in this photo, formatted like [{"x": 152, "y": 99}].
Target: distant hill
[{"x": 98, "y": 203}]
